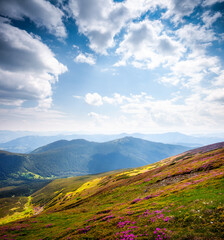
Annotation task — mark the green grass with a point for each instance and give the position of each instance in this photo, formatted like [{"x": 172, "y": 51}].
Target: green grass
[
  {"x": 25, "y": 212},
  {"x": 184, "y": 200},
  {"x": 11, "y": 205}
]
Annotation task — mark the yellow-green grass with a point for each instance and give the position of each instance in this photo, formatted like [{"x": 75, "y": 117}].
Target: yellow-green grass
[
  {"x": 10, "y": 205},
  {"x": 180, "y": 198},
  {"x": 26, "y": 212}
]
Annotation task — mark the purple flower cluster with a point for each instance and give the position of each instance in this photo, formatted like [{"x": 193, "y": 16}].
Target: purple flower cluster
[
  {"x": 161, "y": 234},
  {"x": 136, "y": 200},
  {"x": 49, "y": 225},
  {"x": 155, "y": 215},
  {"x": 84, "y": 230},
  {"x": 126, "y": 235},
  {"x": 148, "y": 197},
  {"x": 107, "y": 218},
  {"x": 123, "y": 224}
]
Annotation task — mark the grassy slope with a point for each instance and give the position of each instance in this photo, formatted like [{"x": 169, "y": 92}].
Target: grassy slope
[
  {"x": 80, "y": 157},
  {"x": 178, "y": 198}
]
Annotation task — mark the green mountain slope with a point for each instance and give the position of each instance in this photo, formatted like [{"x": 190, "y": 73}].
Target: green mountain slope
[
  {"x": 181, "y": 197},
  {"x": 26, "y": 144},
  {"x": 78, "y": 157}
]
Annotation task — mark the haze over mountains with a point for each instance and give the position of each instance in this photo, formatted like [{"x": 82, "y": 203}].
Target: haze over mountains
[
  {"x": 78, "y": 157},
  {"x": 28, "y": 141}
]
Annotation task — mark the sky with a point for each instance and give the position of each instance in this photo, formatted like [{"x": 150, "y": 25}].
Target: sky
[{"x": 104, "y": 66}]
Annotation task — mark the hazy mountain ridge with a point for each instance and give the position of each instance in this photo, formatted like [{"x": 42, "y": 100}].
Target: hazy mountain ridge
[
  {"x": 78, "y": 157},
  {"x": 27, "y": 144},
  {"x": 180, "y": 197}
]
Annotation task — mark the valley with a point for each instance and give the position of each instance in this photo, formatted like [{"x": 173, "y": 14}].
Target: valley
[
  {"x": 180, "y": 197},
  {"x": 80, "y": 157}
]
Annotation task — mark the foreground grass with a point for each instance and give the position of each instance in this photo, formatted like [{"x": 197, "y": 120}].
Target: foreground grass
[{"x": 178, "y": 198}]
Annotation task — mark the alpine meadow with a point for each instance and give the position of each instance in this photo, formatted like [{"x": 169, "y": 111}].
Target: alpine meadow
[{"x": 111, "y": 119}]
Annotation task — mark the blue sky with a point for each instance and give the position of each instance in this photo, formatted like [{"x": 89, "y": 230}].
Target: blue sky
[{"x": 103, "y": 66}]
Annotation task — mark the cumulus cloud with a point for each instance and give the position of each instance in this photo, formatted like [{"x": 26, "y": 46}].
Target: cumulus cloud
[
  {"x": 171, "y": 112},
  {"x": 85, "y": 58},
  {"x": 146, "y": 45},
  {"x": 209, "y": 19},
  {"x": 93, "y": 99},
  {"x": 116, "y": 99},
  {"x": 196, "y": 36},
  {"x": 41, "y": 12},
  {"x": 28, "y": 67},
  {"x": 178, "y": 9},
  {"x": 142, "y": 111},
  {"x": 193, "y": 70},
  {"x": 102, "y": 20},
  {"x": 92, "y": 18},
  {"x": 195, "y": 66}
]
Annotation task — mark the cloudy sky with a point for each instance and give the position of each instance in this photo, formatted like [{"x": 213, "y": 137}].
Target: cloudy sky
[{"x": 104, "y": 66}]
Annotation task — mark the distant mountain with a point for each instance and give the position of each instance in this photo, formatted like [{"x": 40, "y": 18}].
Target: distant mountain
[
  {"x": 6, "y": 136},
  {"x": 27, "y": 144},
  {"x": 78, "y": 157},
  {"x": 180, "y": 139}
]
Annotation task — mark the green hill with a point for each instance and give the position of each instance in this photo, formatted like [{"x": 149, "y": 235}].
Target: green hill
[
  {"x": 78, "y": 157},
  {"x": 180, "y": 197}
]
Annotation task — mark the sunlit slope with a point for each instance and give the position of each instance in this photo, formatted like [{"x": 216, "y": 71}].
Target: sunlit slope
[
  {"x": 80, "y": 157},
  {"x": 178, "y": 198}
]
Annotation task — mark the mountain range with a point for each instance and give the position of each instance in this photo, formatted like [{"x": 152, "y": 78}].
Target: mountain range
[
  {"x": 29, "y": 142},
  {"x": 77, "y": 157}
]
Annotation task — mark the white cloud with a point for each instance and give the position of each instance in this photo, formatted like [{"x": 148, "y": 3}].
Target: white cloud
[
  {"x": 216, "y": 95},
  {"x": 93, "y": 99},
  {"x": 102, "y": 20},
  {"x": 196, "y": 36},
  {"x": 192, "y": 72},
  {"x": 178, "y": 9},
  {"x": 31, "y": 77},
  {"x": 116, "y": 99},
  {"x": 36, "y": 119},
  {"x": 41, "y": 12},
  {"x": 191, "y": 112},
  {"x": 140, "y": 112},
  {"x": 78, "y": 97},
  {"x": 97, "y": 116},
  {"x": 85, "y": 58},
  {"x": 211, "y": 2},
  {"x": 219, "y": 80},
  {"x": 75, "y": 47},
  {"x": 208, "y": 19},
  {"x": 11, "y": 102},
  {"x": 196, "y": 66},
  {"x": 146, "y": 45},
  {"x": 95, "y": 19}
]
